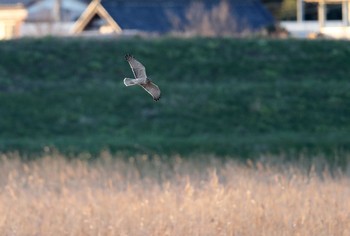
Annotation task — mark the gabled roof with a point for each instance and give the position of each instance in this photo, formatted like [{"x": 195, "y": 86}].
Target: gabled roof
[
  {"x": 148, "y": 16},
  {"x": 162, "y": 16},
  {"x": 156, "y": 15},
  {"x": 94, "y": 8}
]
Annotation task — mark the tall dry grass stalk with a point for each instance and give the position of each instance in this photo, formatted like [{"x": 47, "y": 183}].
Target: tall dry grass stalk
[{"x": 115, "y": 196}]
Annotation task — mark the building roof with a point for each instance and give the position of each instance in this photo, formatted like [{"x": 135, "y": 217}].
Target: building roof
[
  {"x": 44, "y": 10},
  {"x": 161, "y": 15}
]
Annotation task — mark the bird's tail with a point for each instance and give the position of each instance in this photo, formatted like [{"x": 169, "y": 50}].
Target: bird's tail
[{"x": 129, "y": 82}]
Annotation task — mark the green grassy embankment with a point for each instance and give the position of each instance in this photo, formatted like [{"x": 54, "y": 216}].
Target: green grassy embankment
[{"x": 221, "y": 96}]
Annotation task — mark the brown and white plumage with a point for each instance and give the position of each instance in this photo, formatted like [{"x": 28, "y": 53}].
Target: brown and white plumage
[{"x": 141, "y": 79}]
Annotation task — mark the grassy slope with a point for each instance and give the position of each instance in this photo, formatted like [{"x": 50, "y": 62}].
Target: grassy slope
[{"x": 220, "y": 96}]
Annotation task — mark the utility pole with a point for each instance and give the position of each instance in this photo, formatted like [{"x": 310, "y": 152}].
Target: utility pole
[
  {"x": 322, "y": 13},
  {"x": 300, "y": 11},
  {"x": 345, "y": 9},
  {"x": 57, "y": 10}
]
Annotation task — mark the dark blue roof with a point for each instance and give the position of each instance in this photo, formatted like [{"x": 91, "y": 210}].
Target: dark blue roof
[{"x": 161, "y": 15}]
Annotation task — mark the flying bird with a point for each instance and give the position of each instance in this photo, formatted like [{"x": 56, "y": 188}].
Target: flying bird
[{"x": 141, "y": 78}]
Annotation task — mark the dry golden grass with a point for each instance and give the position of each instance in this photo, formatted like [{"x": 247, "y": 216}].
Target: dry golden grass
[{"x": 115, "y": 196}]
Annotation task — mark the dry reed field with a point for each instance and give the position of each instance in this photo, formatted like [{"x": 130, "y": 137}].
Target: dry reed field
[{"x": 138, "y": 196}]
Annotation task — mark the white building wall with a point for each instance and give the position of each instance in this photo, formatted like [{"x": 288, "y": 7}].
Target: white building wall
[{"x": 46, "y": 29}]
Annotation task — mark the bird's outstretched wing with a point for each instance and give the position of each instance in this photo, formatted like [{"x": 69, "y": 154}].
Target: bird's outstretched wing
[
  {"x": 152, "y": 89},
  {"x": 137, "y": 68}
]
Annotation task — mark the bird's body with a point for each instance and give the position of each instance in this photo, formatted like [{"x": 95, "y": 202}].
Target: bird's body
[
  {"x": 141, "y": 78},
  {"x": 139, "y": 81}
]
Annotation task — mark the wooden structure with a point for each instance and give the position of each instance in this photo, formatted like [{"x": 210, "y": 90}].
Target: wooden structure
[
  {"x": 11, "y": 19},
  {"x": 104, "y": 23}
]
